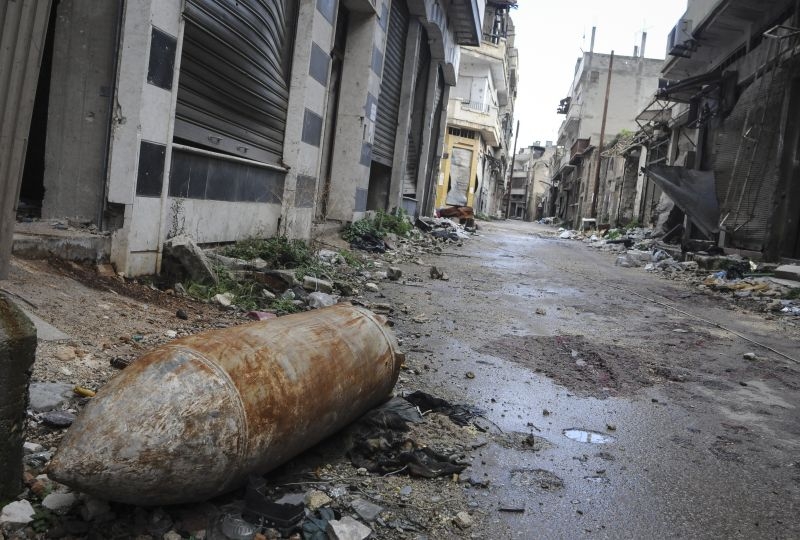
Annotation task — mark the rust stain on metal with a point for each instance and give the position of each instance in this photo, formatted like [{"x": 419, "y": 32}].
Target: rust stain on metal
[{"x": 192, "y": 419}]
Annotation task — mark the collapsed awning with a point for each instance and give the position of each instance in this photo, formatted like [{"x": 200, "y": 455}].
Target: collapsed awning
[
  {"x": 692, "y": 191},
  {"x": 682, "y": 91}
]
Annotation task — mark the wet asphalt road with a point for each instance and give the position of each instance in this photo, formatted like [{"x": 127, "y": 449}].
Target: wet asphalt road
[{"x": 712, "y": 452}]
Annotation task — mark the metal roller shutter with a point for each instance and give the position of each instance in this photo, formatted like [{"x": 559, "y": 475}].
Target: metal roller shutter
[
  {"x": 391, "y": 84},
  {"x": 234, "y": 79},
  {"x": 417, "y": 118},
  {"x": 745, "y": 186}
]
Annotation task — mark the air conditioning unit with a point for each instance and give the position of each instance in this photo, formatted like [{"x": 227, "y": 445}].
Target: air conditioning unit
[{"x": 680, "y": 41}]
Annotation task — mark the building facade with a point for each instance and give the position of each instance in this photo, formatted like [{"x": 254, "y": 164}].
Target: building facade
[
  {"x": 480, "y": 113},
  {"x": 634, "y": 80},
  {"x": 224, "y": 120},
  {"x": 731, "y": 96}
]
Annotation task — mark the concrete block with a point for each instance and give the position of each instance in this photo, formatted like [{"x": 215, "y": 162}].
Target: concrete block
[
  {"x": 17, "y": 352},
  {"x": 17, "y": 513},
  {"x": 45, "y": 396},
  {"x": 347, "y": 528},
  {"x": 788, "y": 271}
]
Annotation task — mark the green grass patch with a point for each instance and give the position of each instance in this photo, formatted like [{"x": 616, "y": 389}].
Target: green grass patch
[
  {"x": 284, "y": 306},
  {"x": 794, "y": 294},
  {"x": 350, "y": 258},
  {"x": 380, "y": 225},
  {"x": 278, "y": 252}
]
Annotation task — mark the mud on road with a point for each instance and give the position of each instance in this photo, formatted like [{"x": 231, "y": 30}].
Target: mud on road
[{"x": 690, "y": 439}]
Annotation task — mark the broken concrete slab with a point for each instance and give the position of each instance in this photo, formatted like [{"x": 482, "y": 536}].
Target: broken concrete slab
[
  {"x": 347, "y": 528},
  {"x": 183, "y": 251},
  {"x": 788, "y": 271},
  {"x": 44, "y": 330},
  {"x": 46, "y": 396},
  {"x": 17, "y": 514},
  {"x": 366, "y": 510}
]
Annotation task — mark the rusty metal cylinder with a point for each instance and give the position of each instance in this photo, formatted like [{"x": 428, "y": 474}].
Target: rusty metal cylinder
[{"x": 193, "y": 418}]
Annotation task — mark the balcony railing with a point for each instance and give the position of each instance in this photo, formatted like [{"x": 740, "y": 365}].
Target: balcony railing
[{"x": 476, "y": 106}]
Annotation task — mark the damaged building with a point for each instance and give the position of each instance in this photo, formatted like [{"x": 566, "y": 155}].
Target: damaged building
[
  {"x": 224, "y": 120},
  {"x": 480, "y": 114},
  {"x": 530, "y": 180},
  {"x": 633, "y": 81},
  {"x": 725, "y": 121}
]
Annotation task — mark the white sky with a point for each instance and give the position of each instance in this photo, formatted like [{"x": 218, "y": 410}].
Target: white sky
[{"x": 550, "y": 35}]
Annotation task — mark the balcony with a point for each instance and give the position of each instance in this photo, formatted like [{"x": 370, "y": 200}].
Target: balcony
[
  {"x": 476, "y": 116},
  {"x": 577, "y": 150}
]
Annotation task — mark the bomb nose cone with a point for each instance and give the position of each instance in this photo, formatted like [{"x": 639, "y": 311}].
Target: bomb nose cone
[{"x": 168, "y": 429}]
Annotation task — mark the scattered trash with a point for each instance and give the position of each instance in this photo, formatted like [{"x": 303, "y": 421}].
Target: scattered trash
[
  {"x": 317, "y": 300},
  {"x": 83, "y": 392},
  {"x": 315, "y": 526},
  {"x": 750, "y": 356},
  {"x": 119, "y": 362},
  {"x": 435, "y": 273},
  {"x": 382, "y": 445},
  {"x": 470, "y": 375}
]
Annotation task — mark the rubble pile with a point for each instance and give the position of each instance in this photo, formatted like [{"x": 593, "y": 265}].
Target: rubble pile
[
  {"x": 742, "y": 280},
  {"x": 398, "y": 490},
  {"x": 403, "y": 479}
]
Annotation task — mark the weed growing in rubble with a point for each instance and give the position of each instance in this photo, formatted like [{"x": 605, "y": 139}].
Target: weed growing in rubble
[
  {"x": 278, "y": 252},
  {"x": 378, "y": 226},
  {"x": 350, "y": 258},
  {"x": 284, "y": 306},
  {"x": 793, "y": 294},
  {"x": 247, "y": 294}
]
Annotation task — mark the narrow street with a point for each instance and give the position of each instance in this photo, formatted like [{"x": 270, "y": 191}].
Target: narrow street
[{"x": 702, "y": 443}]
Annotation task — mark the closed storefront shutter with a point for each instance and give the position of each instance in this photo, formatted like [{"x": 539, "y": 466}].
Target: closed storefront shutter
[
  {"x": 234, "y": 78},
  {"x": 417, "y": 118},
  {"x": 391, "y": 84},
  {"x": 746, "y": 184}
]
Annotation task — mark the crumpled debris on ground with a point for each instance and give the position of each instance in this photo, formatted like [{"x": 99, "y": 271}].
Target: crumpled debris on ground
[
  {"x": 383, "y": 446},
  {"x": 742, "y": 279}
]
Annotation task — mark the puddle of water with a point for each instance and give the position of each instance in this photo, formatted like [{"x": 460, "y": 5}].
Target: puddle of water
[{"x": 586, "y": 436}]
